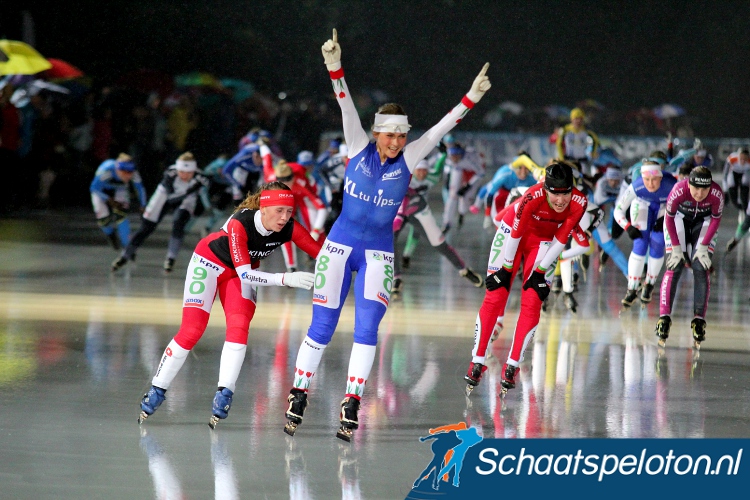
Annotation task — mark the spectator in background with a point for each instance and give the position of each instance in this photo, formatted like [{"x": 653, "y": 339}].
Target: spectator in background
[
  {"x": 576, "y": 143},
  {"x": 10, "y": 141},
  {"x": 180, "y": 123}
]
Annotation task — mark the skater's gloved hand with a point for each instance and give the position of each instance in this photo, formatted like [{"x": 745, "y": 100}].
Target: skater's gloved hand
[
  {"x": 464, "y": 189},
  {"x": 474, "y": 209},
  {"x": 702, "y": 256},
  {"x": 480, "y": 86},
  {"x": 498, "y": 279},
  {"x": 675, "y": 260},
  {"x": 538, "y": 282},
  {"x": 487, "y": 222},
  {"x": 316, "y": 233},
  {"x": 298, "y": 279},
  {"x": 115, "y": 205},
  {"x": 633, "y": 232},
  {"x": 442, "y": 147},
  {"x": 658, "y": 225},
  {"x": 332, "y": 52}
]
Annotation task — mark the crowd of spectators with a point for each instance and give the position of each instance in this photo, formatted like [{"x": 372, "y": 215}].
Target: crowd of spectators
[{"x": 51, "y": 145}]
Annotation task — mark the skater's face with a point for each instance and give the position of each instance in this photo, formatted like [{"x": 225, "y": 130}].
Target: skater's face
[
  {"x": 559, "y": 202},
  {"x": 522, "y": 172},
  {"x": 124, "y": 175},
  {"x": 577, "y": 122},
  {"x": 698, "y": 193},
  {"x": 613, "y": 183},
  {"x": 185, "y": 176},
  {"x": 275, "y": 218},
  {"x": 389, "y": 144},
  {"x": 420, "y": 174},
  {"x": 652, "y": 182}
]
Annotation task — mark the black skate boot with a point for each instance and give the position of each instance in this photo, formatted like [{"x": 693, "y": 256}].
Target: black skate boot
[
  {"x": 629, "y": 298},
  {"x": 647, "y": 293},
  {"x": 460, "y": 220},
  {"x": 150, "y": 402},
  {"x": 556, "y": 284},
  {"x": 731, "y": 244},
  {"x": 662, "y": 329},
  {"x": 348, "y": 418},
  {"x": 297, "y": 403},
  {"x": 398, "y": 287},
  {"x": 471, "y": 276},
  {"x": 509, "y": 378},
  {"x": 119, "y": 263},
  {"x": 603, "y": 258},
  {"x": 473, "y": 376},
  {"x": 114, "y": 240},
  {"x": 570, "y": 302},
  {"x": 168, "y": 265},
  {"x": 221, "y": 405},
  {"x": 698, "y": 325}
]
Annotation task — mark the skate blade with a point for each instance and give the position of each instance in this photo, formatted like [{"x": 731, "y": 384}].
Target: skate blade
[
  {"x": 503, "y": 393},
  {"x": 468, "y": 390},
  {"x": 290, "y": 428},
  {"x": 662, "y": 343},
  {"x": 696, "y": 345},
  {"x": 142, "y": 417},
  {"x": 213, "y": 421},
  {"x": 345, "y": 434}
]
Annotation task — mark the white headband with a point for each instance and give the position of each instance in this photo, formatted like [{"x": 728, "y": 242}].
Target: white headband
[
  {"x": 186, "y": 166},
  {"x": 391, "y": 123},
  {"x": 651, "y": 169}
]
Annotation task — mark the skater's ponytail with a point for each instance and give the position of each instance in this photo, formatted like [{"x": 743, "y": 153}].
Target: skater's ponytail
[{"x": 252, "y": 201}]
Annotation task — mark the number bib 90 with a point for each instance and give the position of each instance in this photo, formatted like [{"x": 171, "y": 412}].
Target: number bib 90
[{"x": 200, "y": 283}]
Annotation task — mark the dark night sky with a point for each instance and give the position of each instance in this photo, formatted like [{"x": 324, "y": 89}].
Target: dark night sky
[{"x": 425, "y": 54}]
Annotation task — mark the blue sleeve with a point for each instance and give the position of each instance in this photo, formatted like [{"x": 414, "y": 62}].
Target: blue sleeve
[
  {"x": 229, "y": 167},
  {"x": 97, "y": 187},
  {"x": 500, "y": 180},
  {"x": 141, "y": 193}
]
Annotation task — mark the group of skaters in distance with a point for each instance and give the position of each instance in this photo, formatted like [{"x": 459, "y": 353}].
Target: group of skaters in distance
[{"x": 346, "y": 208}]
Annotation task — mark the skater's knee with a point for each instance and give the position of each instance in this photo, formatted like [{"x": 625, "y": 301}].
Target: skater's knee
[
  {"x": 238, "y": 326},
  {"x": 320, "y": 336},
  {"x": 188, "y": 336},
  {"x": 366, "y": 336}
]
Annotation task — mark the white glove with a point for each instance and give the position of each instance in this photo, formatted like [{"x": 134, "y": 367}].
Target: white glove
[
  {"x": 701, "y": 254},
  {"x": 480, "y": 86},
  {"x": 487, "y": 223},
  {"x": 298, "y": 280},
  {"x": 676, "y": 259},
  {"x": 332, "y": 52},
  {"x": 316, "y": 233}
]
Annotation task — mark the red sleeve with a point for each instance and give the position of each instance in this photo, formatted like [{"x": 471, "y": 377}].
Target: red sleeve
[
  {"x": 580, "y": 236},
  {"x": 268, "y": 173},
  {"x": 305, "y": 242},
  {"x": 578, "y": 205},
  {"x": 238, "y": 243},
  {"x": 307, "y": 193},
  {"x": 522, "y": 219}
]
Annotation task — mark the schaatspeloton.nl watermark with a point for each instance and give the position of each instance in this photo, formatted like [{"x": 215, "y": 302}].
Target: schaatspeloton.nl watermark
[{"x": 493, "y": 461}]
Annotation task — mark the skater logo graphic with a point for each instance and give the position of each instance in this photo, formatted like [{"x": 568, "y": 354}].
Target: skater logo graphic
[{"x": 449, "y": 446}]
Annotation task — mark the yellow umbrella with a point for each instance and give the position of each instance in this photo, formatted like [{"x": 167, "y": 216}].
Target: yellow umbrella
[{"x": 19, "y": 58}]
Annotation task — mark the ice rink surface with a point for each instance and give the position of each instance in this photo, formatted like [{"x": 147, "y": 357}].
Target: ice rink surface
[{"x": 79, "y": 345}]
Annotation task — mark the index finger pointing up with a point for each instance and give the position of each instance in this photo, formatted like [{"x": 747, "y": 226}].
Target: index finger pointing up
[
  {"x": 484, "y": 68},
  {"x": 335, "y": 36}
]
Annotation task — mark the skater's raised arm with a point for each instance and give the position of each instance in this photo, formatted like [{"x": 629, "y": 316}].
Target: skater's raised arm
[
  {"x": 421, "y": 147},
  {"x": 355, "y": 136}
]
